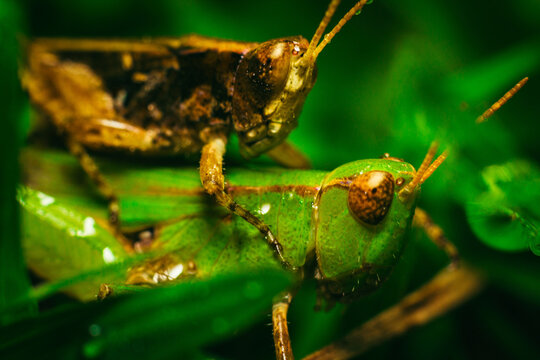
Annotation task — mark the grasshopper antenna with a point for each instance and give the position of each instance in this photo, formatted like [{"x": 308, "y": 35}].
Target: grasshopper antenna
[
  {"x": 314, "y": 47},
  {"x": 487, "y": 114},
  {"x": 426, "y": 169}
]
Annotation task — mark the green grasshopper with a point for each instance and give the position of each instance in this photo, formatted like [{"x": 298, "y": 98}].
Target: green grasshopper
[{"x": 345, "y": 228}]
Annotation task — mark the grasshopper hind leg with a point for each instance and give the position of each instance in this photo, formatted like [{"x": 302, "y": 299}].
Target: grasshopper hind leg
[
  {"x": 213, "y": 181},
  {"x": 92, "y": 170}
]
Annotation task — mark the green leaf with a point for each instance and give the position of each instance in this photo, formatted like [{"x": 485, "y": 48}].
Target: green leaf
[
  {"x": 507, "y": 216},
  {"x": 157, "y": 323},
  {"x": 60, "y": 242},
  {"x": 498, "y": 226}
]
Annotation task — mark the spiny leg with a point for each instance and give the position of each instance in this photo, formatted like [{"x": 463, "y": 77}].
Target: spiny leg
[
  {"x": 436, "y": 235},
  {"x": 287, "y": 155},
  {"x": 282, "y": 341},
  {"x": 213, "y": 181},
  {"x": 450, "y": 288},
  {"x": 90, "y": 167}
]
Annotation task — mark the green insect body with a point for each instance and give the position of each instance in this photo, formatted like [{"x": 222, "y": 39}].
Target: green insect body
[{"x": 311, "y": 211}]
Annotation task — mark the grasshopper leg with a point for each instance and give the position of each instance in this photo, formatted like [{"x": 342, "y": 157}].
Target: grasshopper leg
[
  {"x": 92, "y": 170},
  {"x": 447, "y": 290},
  {"x": 436, "y": 235},
  {"x": 213, "y": 181},
  {"x": 282, "y": 341},
  {"x": 287, "y": 155}
]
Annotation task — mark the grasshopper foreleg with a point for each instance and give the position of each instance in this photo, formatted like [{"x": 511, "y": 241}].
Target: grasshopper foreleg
[
  {"x": 213, "y": 181},
  {"x": 436, "y": 235}
]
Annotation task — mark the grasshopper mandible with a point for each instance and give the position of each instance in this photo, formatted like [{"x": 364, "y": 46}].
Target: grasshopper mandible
[
  {"x": 345, "y": 228},
  {"x": 177, "y": 96}
]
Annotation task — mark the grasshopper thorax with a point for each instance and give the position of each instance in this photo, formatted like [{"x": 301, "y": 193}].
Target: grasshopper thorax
[{"x": 271, "y": 84}]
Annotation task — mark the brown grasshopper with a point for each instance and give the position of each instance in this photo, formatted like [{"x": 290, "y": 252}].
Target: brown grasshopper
[{"x": 177, "y": 96}]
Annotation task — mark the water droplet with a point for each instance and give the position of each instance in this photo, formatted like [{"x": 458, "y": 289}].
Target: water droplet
[
  {"x": 265, "y": 208},
  {"x": 45, "y": 200},
  {"x": 175, "y": 271},
  {"x": 108, "y": 255}
]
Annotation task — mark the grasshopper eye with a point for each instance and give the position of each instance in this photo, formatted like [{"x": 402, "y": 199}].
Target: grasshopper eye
[
  {"x": 264, "y": 71},
  {"x": 370, "y": 196}
]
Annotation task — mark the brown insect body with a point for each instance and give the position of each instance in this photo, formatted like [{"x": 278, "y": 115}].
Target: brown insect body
[{"x": 167, "y": 96}]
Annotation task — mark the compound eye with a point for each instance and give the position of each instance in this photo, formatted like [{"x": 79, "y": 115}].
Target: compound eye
[
  {"x": 370, "y": 196},
  {"x": 268, "y": 69}
]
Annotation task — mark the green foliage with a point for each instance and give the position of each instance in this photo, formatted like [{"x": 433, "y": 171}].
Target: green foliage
[
  {"x": 14, "y": 281},
  {"x": 398, "y": 76},
  {"x": 61, "y": 243},
  {"x": 157, "y": 323},
  {"x": 507, "y": 216}
]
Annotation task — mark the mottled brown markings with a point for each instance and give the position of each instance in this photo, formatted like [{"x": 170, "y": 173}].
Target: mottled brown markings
[
  {"x": 167, "y": 73},
  {"x": 370, "y": 196}
]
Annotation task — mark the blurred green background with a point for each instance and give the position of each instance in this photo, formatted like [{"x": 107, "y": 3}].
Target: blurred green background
[{"x": 398, "y": 76}]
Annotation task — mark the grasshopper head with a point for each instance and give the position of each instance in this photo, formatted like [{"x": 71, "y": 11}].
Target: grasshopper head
[
  {"x": 272, "y": 82},
  {"x": 363, "y": 211}
]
